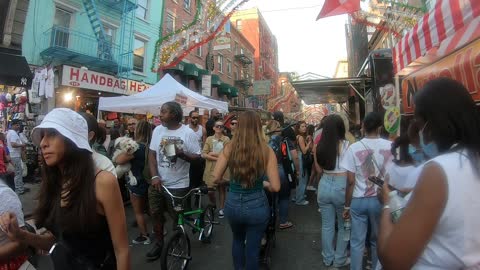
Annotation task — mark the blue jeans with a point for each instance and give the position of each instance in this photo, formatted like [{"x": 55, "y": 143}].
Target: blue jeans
[
  {"x": 283, "y": 195},
  {"x": 248, "y": 215},
  {"x": 331, "y": 199},
  {"x": 362, "y": 212},
  {"x": 302, "y": 181}
]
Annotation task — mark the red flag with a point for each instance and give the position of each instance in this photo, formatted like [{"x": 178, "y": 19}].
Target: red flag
[{"x": 338, "y": 7}]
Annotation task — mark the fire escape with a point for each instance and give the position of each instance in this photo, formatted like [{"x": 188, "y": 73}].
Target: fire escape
[
  {"x": 245, "y": 77},
  {"x": 98, "y": 52}
]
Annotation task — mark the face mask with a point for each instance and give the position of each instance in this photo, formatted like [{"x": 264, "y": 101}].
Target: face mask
[
  {"x": 416, "y": 155},
  {"x": 431, "y": 149}
]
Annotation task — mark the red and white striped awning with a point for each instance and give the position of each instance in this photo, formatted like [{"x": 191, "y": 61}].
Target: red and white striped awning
[{"x": 450, "y": 25}]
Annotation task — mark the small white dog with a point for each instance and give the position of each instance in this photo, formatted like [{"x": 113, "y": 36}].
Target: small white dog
[{"x": 125, "y": 145}]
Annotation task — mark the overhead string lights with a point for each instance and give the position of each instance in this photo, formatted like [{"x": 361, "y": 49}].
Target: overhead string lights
[{"x": 209, "y": 19}]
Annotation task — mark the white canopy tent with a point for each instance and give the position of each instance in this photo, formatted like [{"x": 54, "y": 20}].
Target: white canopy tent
[{"x": 150, "y": 100}]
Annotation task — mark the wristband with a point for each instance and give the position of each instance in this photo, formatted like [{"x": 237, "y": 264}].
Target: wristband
[
  {"x": 346, "y": 207},
  {"x": 386, "y": 206},
  {"x": 155, "y": 177}
]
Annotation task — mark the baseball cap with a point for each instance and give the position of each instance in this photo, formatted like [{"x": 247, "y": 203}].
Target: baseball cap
[{"x": 66, "y": 122}]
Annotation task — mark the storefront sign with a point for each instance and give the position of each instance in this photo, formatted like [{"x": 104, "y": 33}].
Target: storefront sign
[
  {"x": 181, "y": 99},
  {"x": 76, "y": 77},
  {"x": 261, "y": 88},
  {"x": 222, "y": 43},
  {"x": 207, "y": 85},
  {"x": 463, "y": 66}
]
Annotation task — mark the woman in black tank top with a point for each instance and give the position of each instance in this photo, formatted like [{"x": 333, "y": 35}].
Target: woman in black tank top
[{"x": 78, "y": 205}]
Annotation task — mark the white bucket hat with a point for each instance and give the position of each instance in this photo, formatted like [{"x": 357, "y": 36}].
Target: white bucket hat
[{"x": 66, "y": 122}]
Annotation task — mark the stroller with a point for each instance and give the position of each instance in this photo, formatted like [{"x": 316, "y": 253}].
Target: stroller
[{"x": 268, "y": 242}]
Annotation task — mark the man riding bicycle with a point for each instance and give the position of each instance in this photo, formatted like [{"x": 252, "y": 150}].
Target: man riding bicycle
[{"x": 172, "y": 148}]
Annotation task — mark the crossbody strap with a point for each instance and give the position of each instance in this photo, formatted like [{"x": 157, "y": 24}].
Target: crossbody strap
[{"x": 380, "y": 171}]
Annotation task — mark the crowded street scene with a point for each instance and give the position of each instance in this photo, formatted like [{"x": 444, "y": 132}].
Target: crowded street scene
[{"x": 239, "y": 134}]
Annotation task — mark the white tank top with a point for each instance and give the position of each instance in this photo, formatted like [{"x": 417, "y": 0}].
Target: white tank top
[
  {"x": 455, "y": 243},
  {"x": 199, "y": 134}
]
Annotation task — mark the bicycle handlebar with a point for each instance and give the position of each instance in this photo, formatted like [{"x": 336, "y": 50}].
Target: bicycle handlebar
[{"x": 202, "y": 189}]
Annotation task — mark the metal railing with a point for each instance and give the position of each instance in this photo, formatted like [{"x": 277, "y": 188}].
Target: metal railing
[{"x": 69, "y": 40}]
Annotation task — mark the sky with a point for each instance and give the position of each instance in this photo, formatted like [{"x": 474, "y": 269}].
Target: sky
[{"x": 304, "y": 44}]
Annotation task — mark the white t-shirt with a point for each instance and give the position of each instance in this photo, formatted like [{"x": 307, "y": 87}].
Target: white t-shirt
[
  {"x": 399, "y": 175},
  {"x": 361, "y": 158},
  {"x": 10, "y": 203},
  {"x": 173, "y": 171},
  {"x": 103, "y": 163},
  {"x": 12, "y": 136}
]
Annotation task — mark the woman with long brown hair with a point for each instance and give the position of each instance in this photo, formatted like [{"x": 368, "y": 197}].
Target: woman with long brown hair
[
  {"x": 78, "y": 204},
  {"x": 252, "y": 166},
  {"x": 304, "y": 148},
  {"x": 138, "y": 192}
]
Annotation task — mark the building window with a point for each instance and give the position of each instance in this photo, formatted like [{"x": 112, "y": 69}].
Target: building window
[
  {"x": 229, "y": 68},
  {"x": 186, "y": 5},
  {"x": 242, "y": 51},
  {"x": 220, "y": 63},
  {"x": 235, "y": 73},
  {"x": 170, "y": 23},
  {"x": 235, "y": 48},
  {"x": 142, "y": 8},
  {"x": 198, "y": 51},
  {"x": 139, "y": 55},
  {"x": 109, "y": 33},
  {"x": 60, "y": 35},
  {"x": 238, "y": 24}
]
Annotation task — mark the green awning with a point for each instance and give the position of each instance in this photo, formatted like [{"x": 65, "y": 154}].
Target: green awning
[
  {"x": 216, "y": 80},
  {"x": 225, "y": 89},
  {"x": 180, "y": 67},
  {"x": 234, "y": 92},
  {"x": 202, "y": 72},
  {"x": 191, "y": 70}
]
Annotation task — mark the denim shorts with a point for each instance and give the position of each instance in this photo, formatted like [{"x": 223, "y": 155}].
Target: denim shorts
[{"x": 139, "y": 190}]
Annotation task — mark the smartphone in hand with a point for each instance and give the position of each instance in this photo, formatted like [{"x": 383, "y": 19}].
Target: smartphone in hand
[{"x": 379, "y": 182}]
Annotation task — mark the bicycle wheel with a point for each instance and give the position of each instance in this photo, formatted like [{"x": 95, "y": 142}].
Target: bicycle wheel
[
  {"x": 176, "y": 254},
  {"x": 208, "y": 221}
]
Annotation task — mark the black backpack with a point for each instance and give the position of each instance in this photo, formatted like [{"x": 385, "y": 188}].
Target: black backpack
[{"x": 282, "y": 149}]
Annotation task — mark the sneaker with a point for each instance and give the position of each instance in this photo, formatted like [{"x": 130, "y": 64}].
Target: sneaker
[
  {"x": 156, "y": 251},
  {"x": 20, "y": 192},
  {"x": 311, "y": 188},
  {"x": 142, "y": 239},
  {"x": 302, "y": 203},
  {"x": 347, "y": 262},
  {"x": 221, "y": 214}
]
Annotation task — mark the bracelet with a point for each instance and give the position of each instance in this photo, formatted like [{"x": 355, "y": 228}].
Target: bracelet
[
  {"x": 346, "y": 208},
  {"x": 386, "y": 206},
  {"x": 155, "y": 177}
]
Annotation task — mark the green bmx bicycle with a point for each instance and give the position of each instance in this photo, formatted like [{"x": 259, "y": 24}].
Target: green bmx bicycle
[{"x": 176, "y": 252}]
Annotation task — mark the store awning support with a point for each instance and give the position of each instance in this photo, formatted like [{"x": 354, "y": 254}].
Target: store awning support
[{"x": 356, "y": 91}]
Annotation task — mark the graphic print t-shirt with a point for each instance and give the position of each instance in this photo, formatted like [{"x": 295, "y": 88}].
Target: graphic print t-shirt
[
  {"x": 361, "y": 158},
  {"x": 174, "y": 171}
]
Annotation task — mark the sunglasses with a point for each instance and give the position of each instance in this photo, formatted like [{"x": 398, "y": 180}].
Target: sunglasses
[
  {"x": 195, "y": 117},
  {"x": 234, "y": 123},
  {"x": 219, "y": 126}
]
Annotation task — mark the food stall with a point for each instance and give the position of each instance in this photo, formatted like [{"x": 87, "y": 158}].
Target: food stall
[{"x": 444, "y": 43}]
